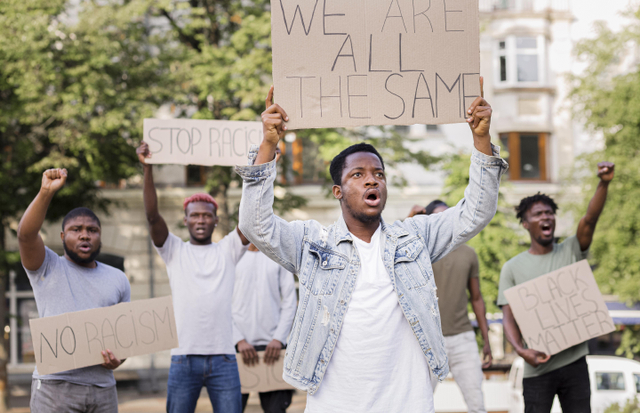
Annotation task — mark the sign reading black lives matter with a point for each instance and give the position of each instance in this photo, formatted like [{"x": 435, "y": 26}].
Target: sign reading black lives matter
[
  {"x": 73, "y": 340},
  {"x": 200, "y": 142},
  {"x": 374, "y": 62},
  {"x": 560, "y": 309}
]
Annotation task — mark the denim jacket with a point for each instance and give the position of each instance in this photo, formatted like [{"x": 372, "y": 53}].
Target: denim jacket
[{"x": 327, "y": 263}]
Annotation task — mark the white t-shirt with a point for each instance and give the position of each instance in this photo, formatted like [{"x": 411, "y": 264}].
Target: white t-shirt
[
  {"x": 201, "y": 278},
  {"x": 377, "y": 364},
  {"x": 264, "y": 300}
]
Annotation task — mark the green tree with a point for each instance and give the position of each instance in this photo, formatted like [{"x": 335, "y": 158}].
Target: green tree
[
  {"x": 73, "y": 93},
  {"x": 607, "y": 98}
]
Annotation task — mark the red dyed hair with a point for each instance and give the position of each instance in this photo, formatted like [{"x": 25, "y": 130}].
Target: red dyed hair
[{"x": 201, "y": 197}]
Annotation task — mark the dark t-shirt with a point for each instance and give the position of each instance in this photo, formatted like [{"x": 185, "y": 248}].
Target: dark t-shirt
[{"x": 452, "y": 275}]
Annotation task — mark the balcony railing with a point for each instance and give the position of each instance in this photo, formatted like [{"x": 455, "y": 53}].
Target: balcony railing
[{"x": 488, "y": 6}]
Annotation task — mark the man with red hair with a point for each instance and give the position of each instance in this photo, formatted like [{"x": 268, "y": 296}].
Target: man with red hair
[{"x": 201, "y": 274}]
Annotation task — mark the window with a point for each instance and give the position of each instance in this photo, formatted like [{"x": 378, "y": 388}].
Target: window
[
  {"x": 301, "y": 162},
  {"x": 519, "y": 59},
  {"x": 609, "y": 381},
  {"x": 636, "y": 377},
  {"x": 527, "y": 155},
  {"x": 196, "y": 175}
]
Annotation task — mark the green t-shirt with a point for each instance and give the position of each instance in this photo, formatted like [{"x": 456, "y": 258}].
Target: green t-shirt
[{"x": 525, "y": 267}]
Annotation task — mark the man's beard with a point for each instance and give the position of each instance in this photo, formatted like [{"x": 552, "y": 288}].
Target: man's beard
[
  {"x": 361, "y": 216},
  {"x": 545, "y": 242},
  {"x": 77, "y": 259}
]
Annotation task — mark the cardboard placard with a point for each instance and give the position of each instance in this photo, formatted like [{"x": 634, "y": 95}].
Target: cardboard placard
[
  {"x": 200, "y": 142},
  {"x": 375, "y": 62},
  {"x": 73, "y": 340},
  {"x": 262, "y": 377},
  {"x": 560, "y": 309}
]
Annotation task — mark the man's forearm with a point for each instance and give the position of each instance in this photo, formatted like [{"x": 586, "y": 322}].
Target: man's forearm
[
  {"x": 479, "y": 310},
  {"x": 150, "y": 195},
  {"x": 33, "y": 218},
  {"x": 596, "y": 205}
]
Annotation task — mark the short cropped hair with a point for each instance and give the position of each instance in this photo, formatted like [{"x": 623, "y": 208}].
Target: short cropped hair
[
  {"x": 433, "y": 205},
  {"x": 527, "y": 203},
  {"x": 80, "y": 212},
  {"x": 199, "y": 197},
  {"x": 337, "y": 164}
]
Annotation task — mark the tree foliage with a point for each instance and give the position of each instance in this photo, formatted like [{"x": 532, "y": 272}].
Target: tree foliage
[{"x": 607, "y": 97}]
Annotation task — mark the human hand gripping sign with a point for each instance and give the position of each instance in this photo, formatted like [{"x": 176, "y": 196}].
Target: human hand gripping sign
[{"x": 479, "y": 120}]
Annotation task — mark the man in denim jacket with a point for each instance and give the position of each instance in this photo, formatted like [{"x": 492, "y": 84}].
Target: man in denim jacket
[{"x": 333, "y": 265}]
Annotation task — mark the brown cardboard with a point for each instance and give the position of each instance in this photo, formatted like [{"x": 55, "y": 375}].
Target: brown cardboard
[
  {"x": 560, "y": 309},
  {"x": 73, "y": 340},
  {"x": 375, "y": 62},
  {"x": 200, "y": 142},
  {"x": 262, "y": 377}
]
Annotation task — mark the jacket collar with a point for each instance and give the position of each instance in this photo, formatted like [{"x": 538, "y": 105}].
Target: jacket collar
[{"x": 342, "y": 232}]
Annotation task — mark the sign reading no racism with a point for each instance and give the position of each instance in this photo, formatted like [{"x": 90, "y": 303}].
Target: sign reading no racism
[
  {"x": 560, "y": 309},
  {"x": 73, "y": 340},
  {"x": 373, "y": 62},
  {"x": 200, "y": 142}
]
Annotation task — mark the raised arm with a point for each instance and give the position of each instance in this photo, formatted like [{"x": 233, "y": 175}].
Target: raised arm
[
  {"x": 32, "y": 252},
  {"x": 278, "y": 239},
  {"x": 157, "y": 227},
  {"x": 587, "y": 224}
]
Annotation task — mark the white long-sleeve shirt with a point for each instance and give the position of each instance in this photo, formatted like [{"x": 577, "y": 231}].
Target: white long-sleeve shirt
[{"x": 264, "y": 300}]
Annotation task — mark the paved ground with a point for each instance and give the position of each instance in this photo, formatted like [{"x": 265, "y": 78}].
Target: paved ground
[{"x": 132, "y": 401}]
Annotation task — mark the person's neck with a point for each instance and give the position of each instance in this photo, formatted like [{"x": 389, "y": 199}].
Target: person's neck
[
  {"x": 253, "y": 248},
  {"x": 539, "y": 249},
  {"x": 194, "y": 241},
  {"x": 362, "y": 230},
  {"x": 92, "y": 264}
]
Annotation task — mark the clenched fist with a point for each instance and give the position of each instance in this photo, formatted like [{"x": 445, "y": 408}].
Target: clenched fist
[
  {"x": 606, "y": 171},
  {"x": 53, "y": 179}
]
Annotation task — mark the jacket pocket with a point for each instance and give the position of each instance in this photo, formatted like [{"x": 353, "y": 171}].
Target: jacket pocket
[
  {"x": 408, "y": 266},
  {"x": 321, "y": 271}
]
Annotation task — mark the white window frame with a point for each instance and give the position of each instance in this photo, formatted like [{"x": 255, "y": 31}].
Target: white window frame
[{"x": 511, "y": 53}]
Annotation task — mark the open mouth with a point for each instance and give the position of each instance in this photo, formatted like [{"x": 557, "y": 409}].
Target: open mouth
[
  {"x": 547, "y": 229},
  {"x": 372, "y": 198},
  {"x": 201, "y": 230},
  {"x": 86, "y": 248}
]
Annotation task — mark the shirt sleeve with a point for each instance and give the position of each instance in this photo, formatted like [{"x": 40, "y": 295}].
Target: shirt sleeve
[
  {"x": 48, "y": 266},
  {"x": 288, "y": 304},
  {"x": 576, "y": 251},
  {"x": 506, "y": 281},
  {"x": 168, "y": 249},
  {"x": 232, "y": 246}
]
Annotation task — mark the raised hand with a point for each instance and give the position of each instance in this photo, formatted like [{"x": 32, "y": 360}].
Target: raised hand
[
  {"x": 273, "y": 119},
  {"x": 53, "y": 179},
  {"x": 479, "y": 115},
  {"x": 606, "y": 171},
  {"x": 143, "y": 152}
]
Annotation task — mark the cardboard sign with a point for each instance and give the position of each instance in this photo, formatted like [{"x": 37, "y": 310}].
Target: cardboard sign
[
  {"x": 262, "y": 377},
  {"x": 560, "y": 309},
  {"x": 200, "y": 142},
  {"x": 73, "y": 340},
  {"x": 375, "y": 62}
]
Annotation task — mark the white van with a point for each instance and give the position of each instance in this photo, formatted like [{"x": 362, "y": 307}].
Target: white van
[{"x": 613, "y": 380}]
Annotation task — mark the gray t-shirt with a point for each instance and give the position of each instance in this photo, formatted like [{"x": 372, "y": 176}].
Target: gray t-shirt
[{"x": 61, "y": 286}]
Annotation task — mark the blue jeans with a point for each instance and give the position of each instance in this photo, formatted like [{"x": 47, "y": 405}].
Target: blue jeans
[{"x": 218, "y": 373}]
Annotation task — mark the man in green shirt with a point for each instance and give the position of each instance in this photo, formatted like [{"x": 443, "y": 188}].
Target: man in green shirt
[{"x": 565, "y": 373}]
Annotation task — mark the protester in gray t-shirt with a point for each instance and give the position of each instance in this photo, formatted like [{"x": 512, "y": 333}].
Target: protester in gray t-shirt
[{"x": 73, "y": 282}]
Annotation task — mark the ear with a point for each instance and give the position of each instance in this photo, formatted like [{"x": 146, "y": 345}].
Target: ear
[
  {"x": 216, "y": 219},
  {"x": 525, "y": 224},
  {"x": 62, "y": 236},
  {"x": 337, "y": 191},
  {"x": 184, "y": 220}
]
